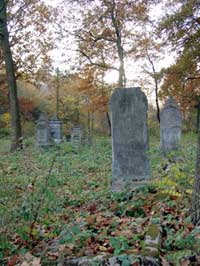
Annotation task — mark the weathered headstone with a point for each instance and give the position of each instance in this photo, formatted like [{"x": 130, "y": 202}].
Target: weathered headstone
[
  {"x": 76, "y": 135},
  {"x": 56, "y": 130},
  {"x": 43, "y": 135},
  {"x": 130, "y": 162},
  {"x": 170, "y": 126}
]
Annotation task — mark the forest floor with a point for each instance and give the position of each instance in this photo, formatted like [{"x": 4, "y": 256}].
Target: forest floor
[{"x": 57, "y": 204}]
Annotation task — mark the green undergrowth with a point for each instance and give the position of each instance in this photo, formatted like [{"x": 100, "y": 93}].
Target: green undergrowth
[{"x": 57, "y": 203}]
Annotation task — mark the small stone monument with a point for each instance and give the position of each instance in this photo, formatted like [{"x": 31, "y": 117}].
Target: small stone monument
[
  {"x": 76, "y": 135},
  {"x": 43, "y": 135},
  {"x": 130, "y": 162},
  {"x": 170, "y": 126},
  {"x": 56, "y": 130}
]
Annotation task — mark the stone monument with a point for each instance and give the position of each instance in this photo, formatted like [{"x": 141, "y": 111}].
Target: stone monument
[
  {"x": 170, "y": 126},
  {"x": 76, "y": 135},
  {"x": 130, "y": 162},
  {"x": 43, "y": 135},
  {"x": 56, "y": 130}
]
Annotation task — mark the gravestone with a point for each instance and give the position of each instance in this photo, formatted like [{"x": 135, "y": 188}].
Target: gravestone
[
  {"x": 130, "y": 162},
  {"x": 43, "y": 135},
  {"x": 76, "y": 135},
  {"x": 170, "y": 126},
  {"x": 56, "y": 130}
]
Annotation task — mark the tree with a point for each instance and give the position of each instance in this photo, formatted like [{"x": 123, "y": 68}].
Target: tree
[
  {"x": 27, "y": 21},
  {"x": 108, "y": 32},
  {"x": 16, "y": 141},
  {"x": 97, "y": 94},
  {"x": 182, "y": 28},
  {"x": 4, "y": 101},
  {"x": 180, "y": 81},
  {"x": 195, "y": 209},
  {"x": 150, "y": 49}
]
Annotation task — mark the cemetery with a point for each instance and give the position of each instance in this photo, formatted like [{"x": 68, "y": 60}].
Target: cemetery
[
  {"x": 99, "y": 133},
  {"x": 113, "y": 201}
]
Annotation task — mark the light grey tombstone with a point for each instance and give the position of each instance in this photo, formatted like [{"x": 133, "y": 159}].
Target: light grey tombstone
[
  {"x": 130, "y": 162},
  {"x": 56, "y": 130},
  {"x": 170, "y": 126},
  {"x": 43, "y": 135},
  {"x": 76, "y": 135}
]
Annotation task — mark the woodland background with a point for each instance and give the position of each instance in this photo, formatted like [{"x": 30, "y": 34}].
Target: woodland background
[{"x": 57, "y": 204}]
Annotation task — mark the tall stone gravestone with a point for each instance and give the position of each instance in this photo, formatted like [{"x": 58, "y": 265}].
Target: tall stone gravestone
[
  {"x": 43, "y": 135},
  {"x": 76, "y": 135},
  {"x": 130, "y": 162},
  {"x": 170, "y": 126},
  {"x": 56, "y": 130}
]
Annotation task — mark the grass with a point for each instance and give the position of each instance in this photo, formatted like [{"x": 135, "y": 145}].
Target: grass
[{"x": 58, "y": 202}]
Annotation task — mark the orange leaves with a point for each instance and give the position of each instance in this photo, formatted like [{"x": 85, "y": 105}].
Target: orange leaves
[
  {"x": 27, "y": 260},
  {"x": 182, "y": 82},
  {"x": 92, "y": 208},
  {"x": 31, "y": 26},
  {"x": 26, "y": 107},
  {"x": 106, "y": 33}
]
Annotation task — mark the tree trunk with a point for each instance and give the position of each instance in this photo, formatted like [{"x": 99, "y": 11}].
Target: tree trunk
[
  {"x": 92, "y": 122},
  {"x": 198, "y": 117},
  {"x": 16, "y": 136},
  {"x": 157, "y": 103},
  {"x": 57, "y": 92},
  {"x": 120, "y": 51},
  {"x": 109, "y": 123},
  {"x": 88, "y": 122},
  {"x": 155, "y": 78},
  {"x": 195, "y": 209}
]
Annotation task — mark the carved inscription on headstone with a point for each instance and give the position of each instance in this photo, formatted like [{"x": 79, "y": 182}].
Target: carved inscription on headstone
[
  {"x": 170, "y": 126},
  {"x": 130, "y": 163}
]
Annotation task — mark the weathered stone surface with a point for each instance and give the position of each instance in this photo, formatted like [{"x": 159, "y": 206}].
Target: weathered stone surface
[
  {"x": 152, "y": 240},
  {"x": 56, "y": 130},
  {"x": 43, "y": 135},
  {"x": 103, "y": 260},
  {"x": 130, "y": 162},
  {"x": 170, "y": 126},
  {"x": 76, "y": 135}
]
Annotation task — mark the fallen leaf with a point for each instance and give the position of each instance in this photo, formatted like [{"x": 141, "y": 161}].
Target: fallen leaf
[
  {"x": 28, "y": 256},
  {"x": 52, "y": 255},
  {"x": 36, "y": 262},
  {"x": 92, "y": 208},
  {"x": 91, "y": 219},
  {"x": 164, "y": 262},
  {"x": 13, "y": 260},
  {"x": 185, "y": 262},
  {"x": 136, "y": 263},
  {"x": 102, "y": 248},
  {"x": 61, "y": 247},
  {"x": 25, "y": 264}
]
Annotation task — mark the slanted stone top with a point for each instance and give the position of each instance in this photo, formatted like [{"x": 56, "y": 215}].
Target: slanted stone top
[
  {"x": 42, "y": 117},
  {"x": 128, "y": 93}
]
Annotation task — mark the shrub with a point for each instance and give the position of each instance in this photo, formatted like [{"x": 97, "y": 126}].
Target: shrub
[{"x": 5, "y": 120}]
